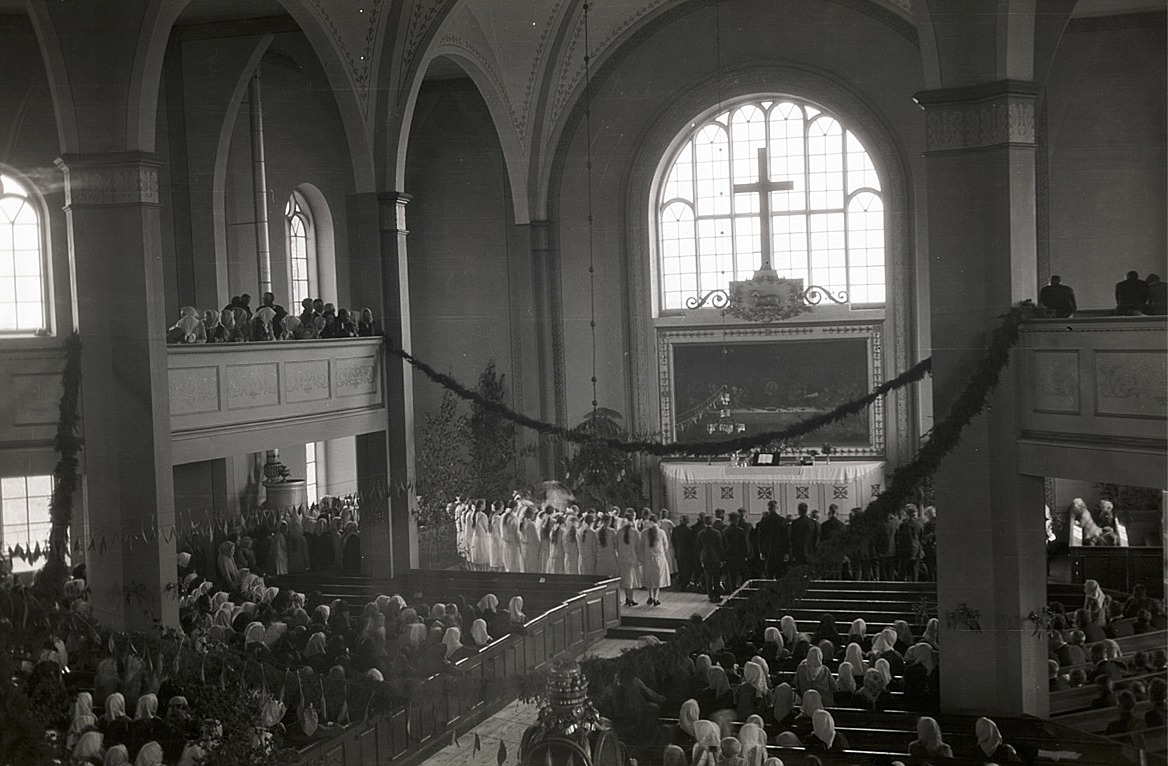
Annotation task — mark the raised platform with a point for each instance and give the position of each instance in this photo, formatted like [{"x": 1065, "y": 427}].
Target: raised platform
[{"x": 584, "y": 609}]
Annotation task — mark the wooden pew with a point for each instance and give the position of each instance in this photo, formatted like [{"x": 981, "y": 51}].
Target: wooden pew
[{"x": 1071, "y": 700}]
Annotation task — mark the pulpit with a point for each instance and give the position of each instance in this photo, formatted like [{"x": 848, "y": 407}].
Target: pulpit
[{"x": 693, "y": 488}]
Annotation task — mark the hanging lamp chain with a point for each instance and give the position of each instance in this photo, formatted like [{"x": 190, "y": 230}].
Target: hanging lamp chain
[{"x": 588, "y": 174}]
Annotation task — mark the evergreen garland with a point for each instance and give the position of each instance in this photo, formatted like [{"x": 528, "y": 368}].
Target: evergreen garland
[
  {"x": 68, "y": 447},
  {"x": 702, "y": 448}
]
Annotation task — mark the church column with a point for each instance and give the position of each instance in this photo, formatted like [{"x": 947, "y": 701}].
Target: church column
[
  {"x": 545, "y": 279},
  {"x": 980, "y": 165},
  {"x": 385, "y": 460},
  {"x": 115, "y": 247}
]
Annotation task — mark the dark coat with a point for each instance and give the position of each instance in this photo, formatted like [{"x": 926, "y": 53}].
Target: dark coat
[
  {"x": 737, "y": 546},
  {"x": 908, "y": 540},
  {"x": 804, "y": 537},
  {"x": 711, "y": 547}
]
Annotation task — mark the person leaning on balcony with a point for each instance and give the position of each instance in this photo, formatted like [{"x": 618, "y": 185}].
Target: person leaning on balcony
[{"x": 1157, "y": 304}]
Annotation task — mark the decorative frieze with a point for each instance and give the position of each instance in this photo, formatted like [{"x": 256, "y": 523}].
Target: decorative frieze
[
  {"x": 129, "y": 178},
  {"x": 979, "y": 117}
]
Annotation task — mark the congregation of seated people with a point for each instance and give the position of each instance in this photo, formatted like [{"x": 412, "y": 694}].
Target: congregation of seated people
[
  {"x": 1086, "y": 653},
  {"x": 237, "y": 322},
  {"x": 386, "y": 645}
]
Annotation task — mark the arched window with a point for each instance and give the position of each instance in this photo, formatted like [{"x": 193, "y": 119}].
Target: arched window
[
  {"x": 301, "y": 248},
  {"x": 22, "y": 272},
  {"x": 827, "y": 227}
]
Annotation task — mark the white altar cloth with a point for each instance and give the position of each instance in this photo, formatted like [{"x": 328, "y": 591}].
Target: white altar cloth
[{"x": 691, "y": 488}]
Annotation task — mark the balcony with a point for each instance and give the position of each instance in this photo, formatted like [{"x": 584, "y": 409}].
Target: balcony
[
  {"x": 246, "y": 397},
  {"x": 1094, "y": 398}
]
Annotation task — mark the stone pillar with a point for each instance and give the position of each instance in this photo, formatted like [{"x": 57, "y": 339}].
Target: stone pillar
[
  {"x": 385, "y": 460},
  {"x": 549, "y": 339},
  {"x": 115, "y": 247},
  {"x": 980, "y": 165}
]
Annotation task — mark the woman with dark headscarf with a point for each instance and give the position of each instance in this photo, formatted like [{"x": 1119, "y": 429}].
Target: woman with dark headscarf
[
  {"x": 827, "y": 631},
  {"x": 228, "y": 570},
  {"x": 783, "y": 711},
  {"x": 919, "y": 674},
  {"x": 874, "y": 694}
]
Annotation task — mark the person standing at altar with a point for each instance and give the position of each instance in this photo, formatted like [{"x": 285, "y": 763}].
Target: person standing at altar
[
  {"x": 711, "y": 550},
  {"x": 607, "y": 560},
  {"x": 554, "y": 534},
  {"x": 685, "y": 551},
  {"x": 910, "y": 554},
  {"x": 886, "y": 545},
  {"x": 586, "y": 539},
  {"x": 774, "y": 540},
  {"x": 804, "y": 537},
  {"x": 719, "y": 523},
  {"x": 628, "y": 542}
]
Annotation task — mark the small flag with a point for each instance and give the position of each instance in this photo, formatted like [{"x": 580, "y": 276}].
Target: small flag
[
  {"x": 501, "y": 757},
  {"x": 478, "y": 745}
]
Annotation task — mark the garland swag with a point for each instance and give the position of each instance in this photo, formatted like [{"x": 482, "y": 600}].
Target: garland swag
[
  {"x": 68, "y": 447},
  {"x": 704, "y": 448}
]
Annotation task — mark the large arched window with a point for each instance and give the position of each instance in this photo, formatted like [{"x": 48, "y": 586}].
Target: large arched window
[
  {"x": 22, "y": 272},
  {"x": 827, "y": 228},
  {"x": 301, "y": 248}
]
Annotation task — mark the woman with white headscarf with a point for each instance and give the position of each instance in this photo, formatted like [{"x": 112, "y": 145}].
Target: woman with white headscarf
[
  {"x": 773, "y": 646},
  {"x": 1096, "y": 603},
  {"x": 455, "y": 650},
  {"x": 932, "y": 634},
  {"x": 854, "y": 655},
  {"x": 478, "y": 633},
  {"x": 115, "y": 724},
  {"x": 754, "y": 741},
  {"x": 790, "y": 630},
  {"x": 813, "y": 674},
  {"x": 810, "y": 703},
  {"x": 858, "y": 634},
  {"x": 884, "y": 648},
  {"x": 823, "y": 736},
  {"x": 920, "y": 664},
  {"x": 515, "y": 611},
  {"x": 683, "y": 733},
  {"x": 117, "y": 755},
  {"x": 149, "y": 755},
  {"x": 707, "y": 743},
  {"x": 89, "y": 749},
  {"x": 845, "y": 685},
  {"x": 990, "y": 746},
  {"x": 752, "y": 695},
  {"x": 228, "y": 570},
  {"x": 783, "y": 711},
  {"x": 928, "y": 743},
  {"x": 717, "y": 694}
]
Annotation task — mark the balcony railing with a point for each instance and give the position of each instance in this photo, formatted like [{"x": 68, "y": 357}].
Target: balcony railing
[
  {"x": 253, "y": 396},
  {"x": 1094, "y": 398}
]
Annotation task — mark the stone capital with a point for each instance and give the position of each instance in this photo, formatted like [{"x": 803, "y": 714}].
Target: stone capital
[
  {"x": 391, "y": 207},
  {"x": 980, "y": 116},
  {"x": 116, "y": 178}
]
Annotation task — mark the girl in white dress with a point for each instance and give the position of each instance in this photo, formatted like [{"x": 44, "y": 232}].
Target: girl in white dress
[
  {"x": 628, "y": 541},
  {"x": 554, "y": 530},
  {"x": 512, "y": 542},
  {"x": 481, "y": 541},
  {"x": 654, "y": 555},
  {"x": 497, "y": 546},
  {"x": 571, "y": 543},
  {"x": 529, "y": 537},
  {"x": 607, "y": 562},
  {"x": 587, "y": 540}
]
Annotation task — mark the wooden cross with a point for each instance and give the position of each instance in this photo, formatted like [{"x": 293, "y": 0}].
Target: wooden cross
[{"x": 764, "y": 187}]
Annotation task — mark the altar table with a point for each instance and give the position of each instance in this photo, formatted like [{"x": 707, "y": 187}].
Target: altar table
[{"x": 692, "y": 488}]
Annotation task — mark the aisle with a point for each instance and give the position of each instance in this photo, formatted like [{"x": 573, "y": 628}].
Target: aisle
[{"x": 509, "y": 723}]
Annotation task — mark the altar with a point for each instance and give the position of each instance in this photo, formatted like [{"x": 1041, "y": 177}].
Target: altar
[{"x": 692, "y": 488}]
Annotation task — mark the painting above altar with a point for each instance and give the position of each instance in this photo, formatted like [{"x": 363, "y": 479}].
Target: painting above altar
[{"x": 768, "y": 379}]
